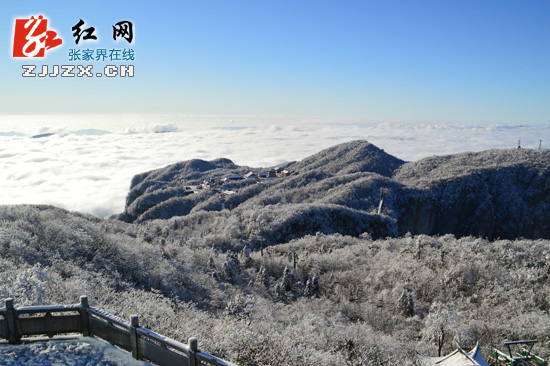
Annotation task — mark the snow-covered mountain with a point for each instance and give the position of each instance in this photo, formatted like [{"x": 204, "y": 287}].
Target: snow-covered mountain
[{"x": 495, "y": 193}]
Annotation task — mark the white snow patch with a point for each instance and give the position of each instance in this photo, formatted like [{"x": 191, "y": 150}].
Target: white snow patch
[{"x": 83, "y": 351}]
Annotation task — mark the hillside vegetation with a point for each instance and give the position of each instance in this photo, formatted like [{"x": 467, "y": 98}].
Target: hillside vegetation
[
  {"x": 304, "y": 270},
  {"x": 320, "y": 299}
]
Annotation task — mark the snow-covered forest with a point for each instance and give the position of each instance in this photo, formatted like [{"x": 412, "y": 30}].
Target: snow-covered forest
[{"x": 304, "y": 270}]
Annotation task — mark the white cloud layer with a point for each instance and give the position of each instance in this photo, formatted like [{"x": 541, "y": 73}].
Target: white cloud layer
[{"x": 92, "y": 172}]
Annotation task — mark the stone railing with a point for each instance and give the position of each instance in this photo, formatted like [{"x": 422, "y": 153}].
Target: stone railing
[{"x": 28, "y": 323}]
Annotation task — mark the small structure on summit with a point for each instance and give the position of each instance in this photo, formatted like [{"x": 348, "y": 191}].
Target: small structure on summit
[
  {"x": 234, "y": 177},
  {"x": 459, "y": 357}
]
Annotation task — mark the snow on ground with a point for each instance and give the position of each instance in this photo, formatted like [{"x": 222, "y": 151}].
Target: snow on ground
[{"x": 82, "y": 351}]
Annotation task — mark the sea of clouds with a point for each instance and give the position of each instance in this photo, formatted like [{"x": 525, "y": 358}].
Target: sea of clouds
[{"x": 90, "y": 169}]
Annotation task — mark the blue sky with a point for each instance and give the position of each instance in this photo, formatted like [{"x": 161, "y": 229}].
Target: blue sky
[{"x": 476, "y": 61}]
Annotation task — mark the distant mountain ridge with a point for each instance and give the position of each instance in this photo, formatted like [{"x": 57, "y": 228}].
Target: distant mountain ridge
[{"x": 495, "y": 193}]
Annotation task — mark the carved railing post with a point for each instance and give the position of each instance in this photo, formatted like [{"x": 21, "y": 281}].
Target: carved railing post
[
  {"x": 13, "y": 336},
  {"x": 134, "y": 323},
  {"x": 84, "y": 305},
  {"x": 193, "y": 349}
]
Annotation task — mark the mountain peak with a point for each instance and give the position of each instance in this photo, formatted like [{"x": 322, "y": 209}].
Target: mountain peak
[{"x": 351, "y": 157}]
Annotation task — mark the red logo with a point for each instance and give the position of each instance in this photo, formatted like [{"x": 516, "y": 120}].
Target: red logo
[{"x": 32, "y": 38}]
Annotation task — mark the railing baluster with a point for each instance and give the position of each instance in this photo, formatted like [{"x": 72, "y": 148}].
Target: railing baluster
[
  {"x": 193, "y": 348},
  {"x": 134, "y": 323},
  {"x": 85, "y": 316},
  {"x": 13, "y": 337}
]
